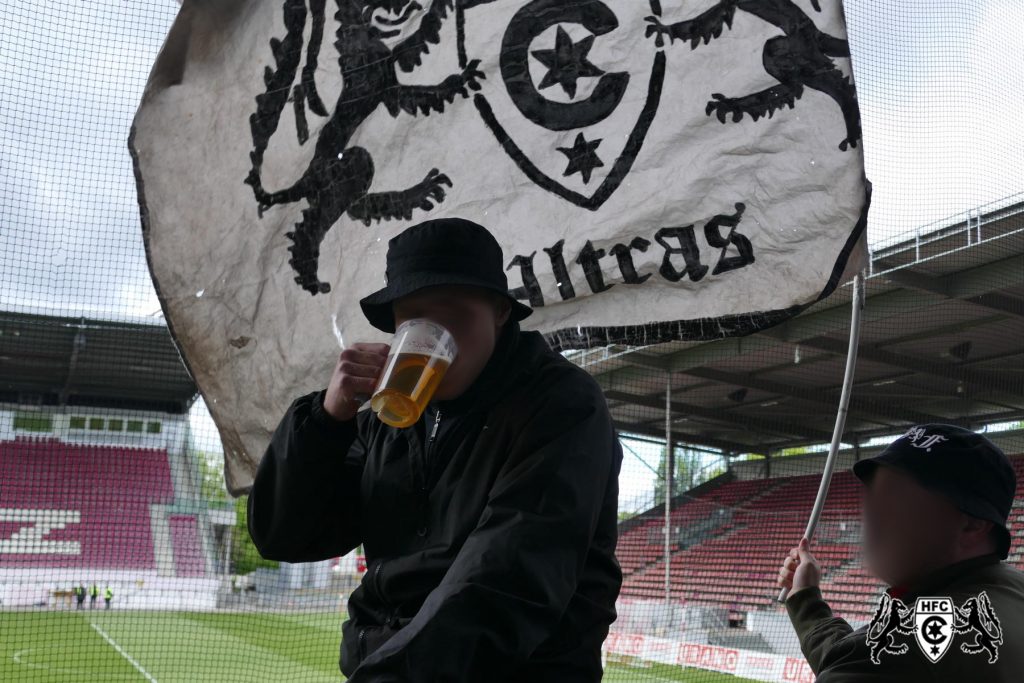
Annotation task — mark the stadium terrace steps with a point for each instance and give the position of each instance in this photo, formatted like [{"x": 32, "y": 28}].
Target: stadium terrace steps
[
  {"x": 188, "y": 553},
  {"x": 642, "y": 547}
]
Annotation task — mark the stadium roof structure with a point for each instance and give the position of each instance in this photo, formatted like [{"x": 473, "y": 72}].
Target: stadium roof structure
[
  {"x": 942, "y": 340},
  {"x": 61, "y": 360}
]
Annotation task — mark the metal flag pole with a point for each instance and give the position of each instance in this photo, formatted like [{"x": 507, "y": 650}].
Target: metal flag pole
[{"x": 844, "y": 406}]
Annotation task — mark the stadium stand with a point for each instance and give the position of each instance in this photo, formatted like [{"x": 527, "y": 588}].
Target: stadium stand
[
  {"x": 104, "y": 512},
  {"x": 99, "y": 495},
  {"x": 747, "y": 526},
  {"x": 46, "y": 475}
]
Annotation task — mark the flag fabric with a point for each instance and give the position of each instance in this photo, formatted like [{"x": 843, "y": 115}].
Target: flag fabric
[{"x": 652, "y": 172}]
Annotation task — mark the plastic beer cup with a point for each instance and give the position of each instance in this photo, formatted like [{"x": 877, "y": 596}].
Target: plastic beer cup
[{"x": 420, "y": 355}]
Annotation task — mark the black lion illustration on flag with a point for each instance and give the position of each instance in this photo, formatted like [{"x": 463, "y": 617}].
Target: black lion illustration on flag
[
  {"x": 376, "y": 39},
  {"x": 802, "y": 57},
  {"x": 338, "y": 180}
]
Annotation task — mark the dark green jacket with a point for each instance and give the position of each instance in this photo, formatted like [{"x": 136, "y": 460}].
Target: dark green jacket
[{"x": 839, "y": 654}]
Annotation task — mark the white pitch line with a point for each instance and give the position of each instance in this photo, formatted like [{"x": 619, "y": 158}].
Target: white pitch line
[
  {"x": 131, "y": 660},
  {"x": 80, "y": 675}
]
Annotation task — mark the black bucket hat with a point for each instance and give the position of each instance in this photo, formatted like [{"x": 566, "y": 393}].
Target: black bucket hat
[
  {"x": 957, "y": 463},
  {"x": 442, "y": 251}
]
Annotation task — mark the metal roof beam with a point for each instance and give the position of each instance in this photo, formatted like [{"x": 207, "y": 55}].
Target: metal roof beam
[
  {"x": 959, "y": 373},
  {"x": 811, "y": 395},
  {"x": 679, "y": 438},
  {"x": 746, "y": 422},
  {"x": 974, "y": 289}
]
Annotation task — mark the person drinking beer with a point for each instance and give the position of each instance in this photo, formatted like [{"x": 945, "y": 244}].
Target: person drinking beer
[{"x": 488, "y": 523}]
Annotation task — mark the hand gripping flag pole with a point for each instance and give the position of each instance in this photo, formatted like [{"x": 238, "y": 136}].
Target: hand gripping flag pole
[{"x": 844, "y": 405}]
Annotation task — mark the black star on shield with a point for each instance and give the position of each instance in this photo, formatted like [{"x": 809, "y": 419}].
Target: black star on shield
[
  {"x": 582, "y": 156},
  {"x": 567, "y": 62}
]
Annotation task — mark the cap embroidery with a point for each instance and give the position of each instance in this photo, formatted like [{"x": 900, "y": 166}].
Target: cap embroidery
[{"x": 919, "y": 438}]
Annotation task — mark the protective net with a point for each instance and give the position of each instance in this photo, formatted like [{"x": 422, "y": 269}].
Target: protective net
[{"x": 122, "y": 557}]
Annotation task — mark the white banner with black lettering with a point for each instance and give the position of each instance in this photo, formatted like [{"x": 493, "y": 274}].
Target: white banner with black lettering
[{"x": 653, "y": 171}]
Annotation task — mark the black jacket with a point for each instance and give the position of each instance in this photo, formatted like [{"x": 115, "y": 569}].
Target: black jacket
[{"x": 490, "y": 546}]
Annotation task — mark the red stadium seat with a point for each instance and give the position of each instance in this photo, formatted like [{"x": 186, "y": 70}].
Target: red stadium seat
[
  {"x": 734, "y": 565},
  {"x": 111, "y": 488}
]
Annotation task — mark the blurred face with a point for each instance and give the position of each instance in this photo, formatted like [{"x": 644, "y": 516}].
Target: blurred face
[
  {"x": 910, "y": 531},
  {"x": 474, "y": 317}
]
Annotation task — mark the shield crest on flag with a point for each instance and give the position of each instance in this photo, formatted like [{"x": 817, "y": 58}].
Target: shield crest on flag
[
  {"x": 579, "y": 88},
  {"x": 933, "y": 626}
]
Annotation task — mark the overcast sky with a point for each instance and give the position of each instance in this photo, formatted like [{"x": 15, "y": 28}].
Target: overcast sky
[{"x": 940, "y": 85}]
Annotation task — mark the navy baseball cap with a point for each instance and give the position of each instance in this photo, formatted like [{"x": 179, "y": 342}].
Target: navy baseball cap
[{"x": 967, "y": 468}]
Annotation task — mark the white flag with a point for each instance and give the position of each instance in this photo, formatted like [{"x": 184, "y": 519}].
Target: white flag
[{"x": 652, "y": 172}]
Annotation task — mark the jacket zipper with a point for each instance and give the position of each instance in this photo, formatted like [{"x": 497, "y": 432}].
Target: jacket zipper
[
  {"x": 433, "y": 432},
  {"x": 426, "y": 469},
  {"x": 428, "y": 464}
]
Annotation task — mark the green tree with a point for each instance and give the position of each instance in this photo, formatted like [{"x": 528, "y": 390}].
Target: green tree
[
  {"x": 687, "y": 473},
  {"x": 243, "y": 552},
  {"x": 244, "y": 555},
  {"x": 211, "y": 486}
]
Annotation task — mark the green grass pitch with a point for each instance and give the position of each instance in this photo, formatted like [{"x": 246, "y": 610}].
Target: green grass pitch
[{"x": 190, "y": 647}]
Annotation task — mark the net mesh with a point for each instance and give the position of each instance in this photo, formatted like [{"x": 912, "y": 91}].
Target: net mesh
[{"x": 123, "y": 558}]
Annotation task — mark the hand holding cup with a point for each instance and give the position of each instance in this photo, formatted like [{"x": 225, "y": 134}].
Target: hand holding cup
[{"x": 354, "y": 379}]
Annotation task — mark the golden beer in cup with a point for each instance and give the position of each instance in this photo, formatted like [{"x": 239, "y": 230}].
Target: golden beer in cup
[{"x": 421, "y": 353}]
